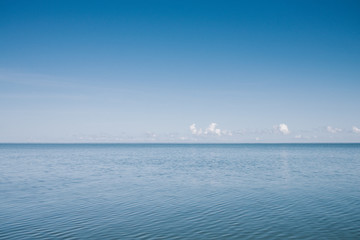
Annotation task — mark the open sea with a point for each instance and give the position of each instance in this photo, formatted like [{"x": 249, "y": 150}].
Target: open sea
[{"x": 180, "y": 191}]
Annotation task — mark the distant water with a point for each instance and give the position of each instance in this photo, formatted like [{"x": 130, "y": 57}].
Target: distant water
[{"x": 169, "y": 191}]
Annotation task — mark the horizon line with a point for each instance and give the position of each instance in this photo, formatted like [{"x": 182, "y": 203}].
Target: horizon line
[{"x": 177, "y": 143}]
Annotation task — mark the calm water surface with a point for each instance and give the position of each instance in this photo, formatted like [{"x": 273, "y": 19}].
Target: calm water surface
[{"x": 160, "y": 191}]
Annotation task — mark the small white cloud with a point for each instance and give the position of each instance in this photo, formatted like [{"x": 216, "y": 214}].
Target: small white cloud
[
  {"x": 218, "y": 132},
  {"x": 210, "y": 130},
  {"x": 298, "y": 136},
  {"x": 333, "y": 130},
  {"x": 356, "y": 130},
  {"x": 283, "y": 128},
  {"x": 193, "y": 128}
]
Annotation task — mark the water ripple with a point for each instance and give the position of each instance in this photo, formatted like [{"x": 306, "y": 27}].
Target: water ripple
[{"x": 180, "y": 191}]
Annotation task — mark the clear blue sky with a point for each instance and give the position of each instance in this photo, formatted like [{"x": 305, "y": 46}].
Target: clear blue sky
[{"x": 139, "y": 71}]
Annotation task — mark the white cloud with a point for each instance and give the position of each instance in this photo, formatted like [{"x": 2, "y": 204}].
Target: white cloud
[
  {"x": 210, "y": 130},
  {"x": 218, "y": 132},
  {"x": 333, "y": 130},
  {"x": 283, "y": 128},
  {"x": 193, "y": 128},
  {"x": 356, "y": 130}
]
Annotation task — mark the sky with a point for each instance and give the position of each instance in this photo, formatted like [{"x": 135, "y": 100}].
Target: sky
[{"x": 179, "y": 71}]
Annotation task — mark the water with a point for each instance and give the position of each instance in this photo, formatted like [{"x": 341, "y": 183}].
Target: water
[{"x": 160, "y": 191}]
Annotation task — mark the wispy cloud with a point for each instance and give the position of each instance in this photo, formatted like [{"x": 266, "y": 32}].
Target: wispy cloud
[
  {"x": 333, "y": 130},
  {"x": 302, "y": 137},
  {"x": 356, "y": 130},
  {"x": 151, "y": 135}
]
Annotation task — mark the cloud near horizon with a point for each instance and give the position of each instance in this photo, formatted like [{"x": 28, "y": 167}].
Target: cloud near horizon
[
  {"x": 333, "y": 130},
  {"x": 283, "y": 128},
  {"x": 356, "y": 130},
  {"x": 210, "y": 130}
]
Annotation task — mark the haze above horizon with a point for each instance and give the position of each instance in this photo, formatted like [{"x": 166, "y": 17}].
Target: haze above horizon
[{"x": 179, "y": 71}]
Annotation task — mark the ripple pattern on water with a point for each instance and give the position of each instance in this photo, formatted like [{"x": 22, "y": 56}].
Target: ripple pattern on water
[{"x": 150, "y": 191}]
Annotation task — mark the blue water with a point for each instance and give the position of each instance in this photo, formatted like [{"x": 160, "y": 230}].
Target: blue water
[{"x": 190, "y": 191}]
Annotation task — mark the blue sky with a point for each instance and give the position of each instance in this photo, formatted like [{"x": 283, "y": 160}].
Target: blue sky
[{"x": 146, "y": 71}]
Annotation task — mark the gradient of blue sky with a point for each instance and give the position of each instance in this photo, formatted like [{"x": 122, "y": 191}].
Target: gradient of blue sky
[{"x": 147, "y": 70}]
